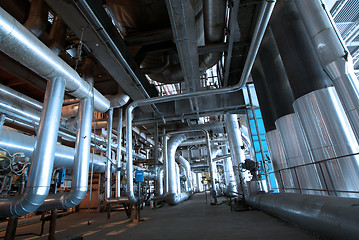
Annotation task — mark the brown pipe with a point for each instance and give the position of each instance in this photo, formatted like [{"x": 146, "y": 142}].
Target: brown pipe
[{"x": 37, "y": 20}]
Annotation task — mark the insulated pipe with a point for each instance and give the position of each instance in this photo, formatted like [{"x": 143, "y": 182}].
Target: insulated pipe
[
  {"x": 69, "y": 111},
  {"x": 119, "y": 154},
  {"x": 38, "y": 184},
  {"x": 215, "y": 152},
  {"x": 334, "y": 57},
  {"x": 332, "y": 217},
  {"x": 229, "y": 178},
  {"x": 80, "y": 173},
  {"x": 261, "y": 25},
  {"x": 235, "y": 143},
  {"x": 159, "y": 181},
  {"x": 21, "y": 45},
  {"x": 184, "y": 162},
  {"x": 37, "y": 20},
  {"x": 108, "y": 172}
]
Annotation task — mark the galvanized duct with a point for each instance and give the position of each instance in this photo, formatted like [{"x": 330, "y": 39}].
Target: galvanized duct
[
  {"x": 334, "y": 57},
  {"x": 80, "y": 173},
  {"x": 57, "y": 35},
  {"x": 324, "y": 121},
  {"x": 21, "y": 45},
  {"x": 332, "y": 217},
  {"x": 38, "y": 184}
]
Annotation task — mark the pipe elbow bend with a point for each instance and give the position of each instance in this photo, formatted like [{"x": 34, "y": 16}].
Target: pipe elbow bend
[{"x": 28, "y": 203}]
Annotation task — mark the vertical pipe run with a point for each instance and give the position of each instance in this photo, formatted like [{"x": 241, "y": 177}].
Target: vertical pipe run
[
  {"x": 229, "y": 178},
  {"x": 38, "y": 184},
  {"x": 108, "y": 154},
  {"x": 118, "y": 154}
]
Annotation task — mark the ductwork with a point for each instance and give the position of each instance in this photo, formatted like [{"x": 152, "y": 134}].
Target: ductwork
[
  {"x": 334, "y": 57},
  {"x": 79, "y": 183},
  {"x": 38, "y": 184},
  {"x": 18, "y": 43},
  {"x": 57, "y": 35},
  {"x": 37, "y": 20},
  {"x": 332, "y": 217}
]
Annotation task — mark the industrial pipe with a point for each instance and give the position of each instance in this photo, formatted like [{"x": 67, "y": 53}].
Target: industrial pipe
[
  {"x": 261, "y": 25},
  {"x": 229, "y": 178},
  {"x": 38, "y": 184},
  {"x": 36, "y": 23},
  {"x": 21, "y": 45},
  {"x": 119, "y": 154},
  {"x": 332, "y": 217},
  {"x": 334, "y": 57},
  {"x": 79, "y": 183},
  {"x": 108, "y": 173},
  {"x": 184, "y": 162}
]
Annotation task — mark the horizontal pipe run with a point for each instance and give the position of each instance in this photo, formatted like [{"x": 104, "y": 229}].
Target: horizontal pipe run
[
  {"x": 21, "y": 45},
  {"x": 332, "y": 217}
]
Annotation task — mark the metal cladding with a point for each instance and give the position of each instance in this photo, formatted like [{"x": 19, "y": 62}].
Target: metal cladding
[
  {"x": 330, "y": 136},
  {"x": 318, "y": 107},
  {"x": 334, "y": 218},
  {"x": 284, "y": 178},
  {"x": 301, "y": 64},
  {"x": 296, "y": 150},
  {"x": 184, "y": 162},
  {"x": 229, "y": 178},
  {"x": 335, "y": 59}
]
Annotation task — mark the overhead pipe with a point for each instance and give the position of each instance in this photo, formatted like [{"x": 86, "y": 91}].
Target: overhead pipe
[
  {"x": 334, "y": 57},
  {"x": 331, "y": 217},
  {"x": 38, "y": 184},
  {"x": 260, "y": 28},
  {"x": 36, "y": 23},
  {"x": 80, "y": 173},
  {"x": 21, "y": 45}
]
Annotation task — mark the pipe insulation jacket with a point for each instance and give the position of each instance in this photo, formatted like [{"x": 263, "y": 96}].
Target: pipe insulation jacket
[{"x": 332, "y": 217}]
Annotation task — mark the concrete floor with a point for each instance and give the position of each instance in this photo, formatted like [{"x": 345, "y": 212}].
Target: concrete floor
[{"x": 192, "y": 219}]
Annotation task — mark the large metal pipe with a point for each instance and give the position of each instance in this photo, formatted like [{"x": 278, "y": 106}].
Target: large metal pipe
[
  {"x": 159, "y": 181},
  {"x": 79, "y": 183},
  {"x": 215, "y": 188},
  {"x": 331, "y": 217},
  {"x": 319, "y": 109},
  {"x": 38, "y": 184},
  {"x": 119, "y": 154},
  {"x": 108, "y": 173},
  {"x": 261, "y": 25},
  {"x": 237, "y": 154},
  {"x": 21, "y": 45},
  {"x": 334, "y": 57}
]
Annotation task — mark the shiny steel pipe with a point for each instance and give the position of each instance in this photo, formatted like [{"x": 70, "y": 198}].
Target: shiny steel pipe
[
  {"x": 215, "y": 152},
  {"x": 21, "y": 45},
  {"x": 296, "y": 151},
  {"x": 159, "y": 182},
  {"x": 330, "y": 136},
  {"x": 334, "y": 57},
  {"x": 184, "y": 162},
  {"x": 38, "y": 184},
  {"x": 14, "y": 141},
  {"x": 80, "y": 173},
  {"x": 108, "y": 173},
  {"x": 119, "y": 154},
  {"x": 260, "y": 28},
  {"x": 229, "y": 178},
  {"x": 237, "y": 154},
  {"x": 332, "y": 217}
]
